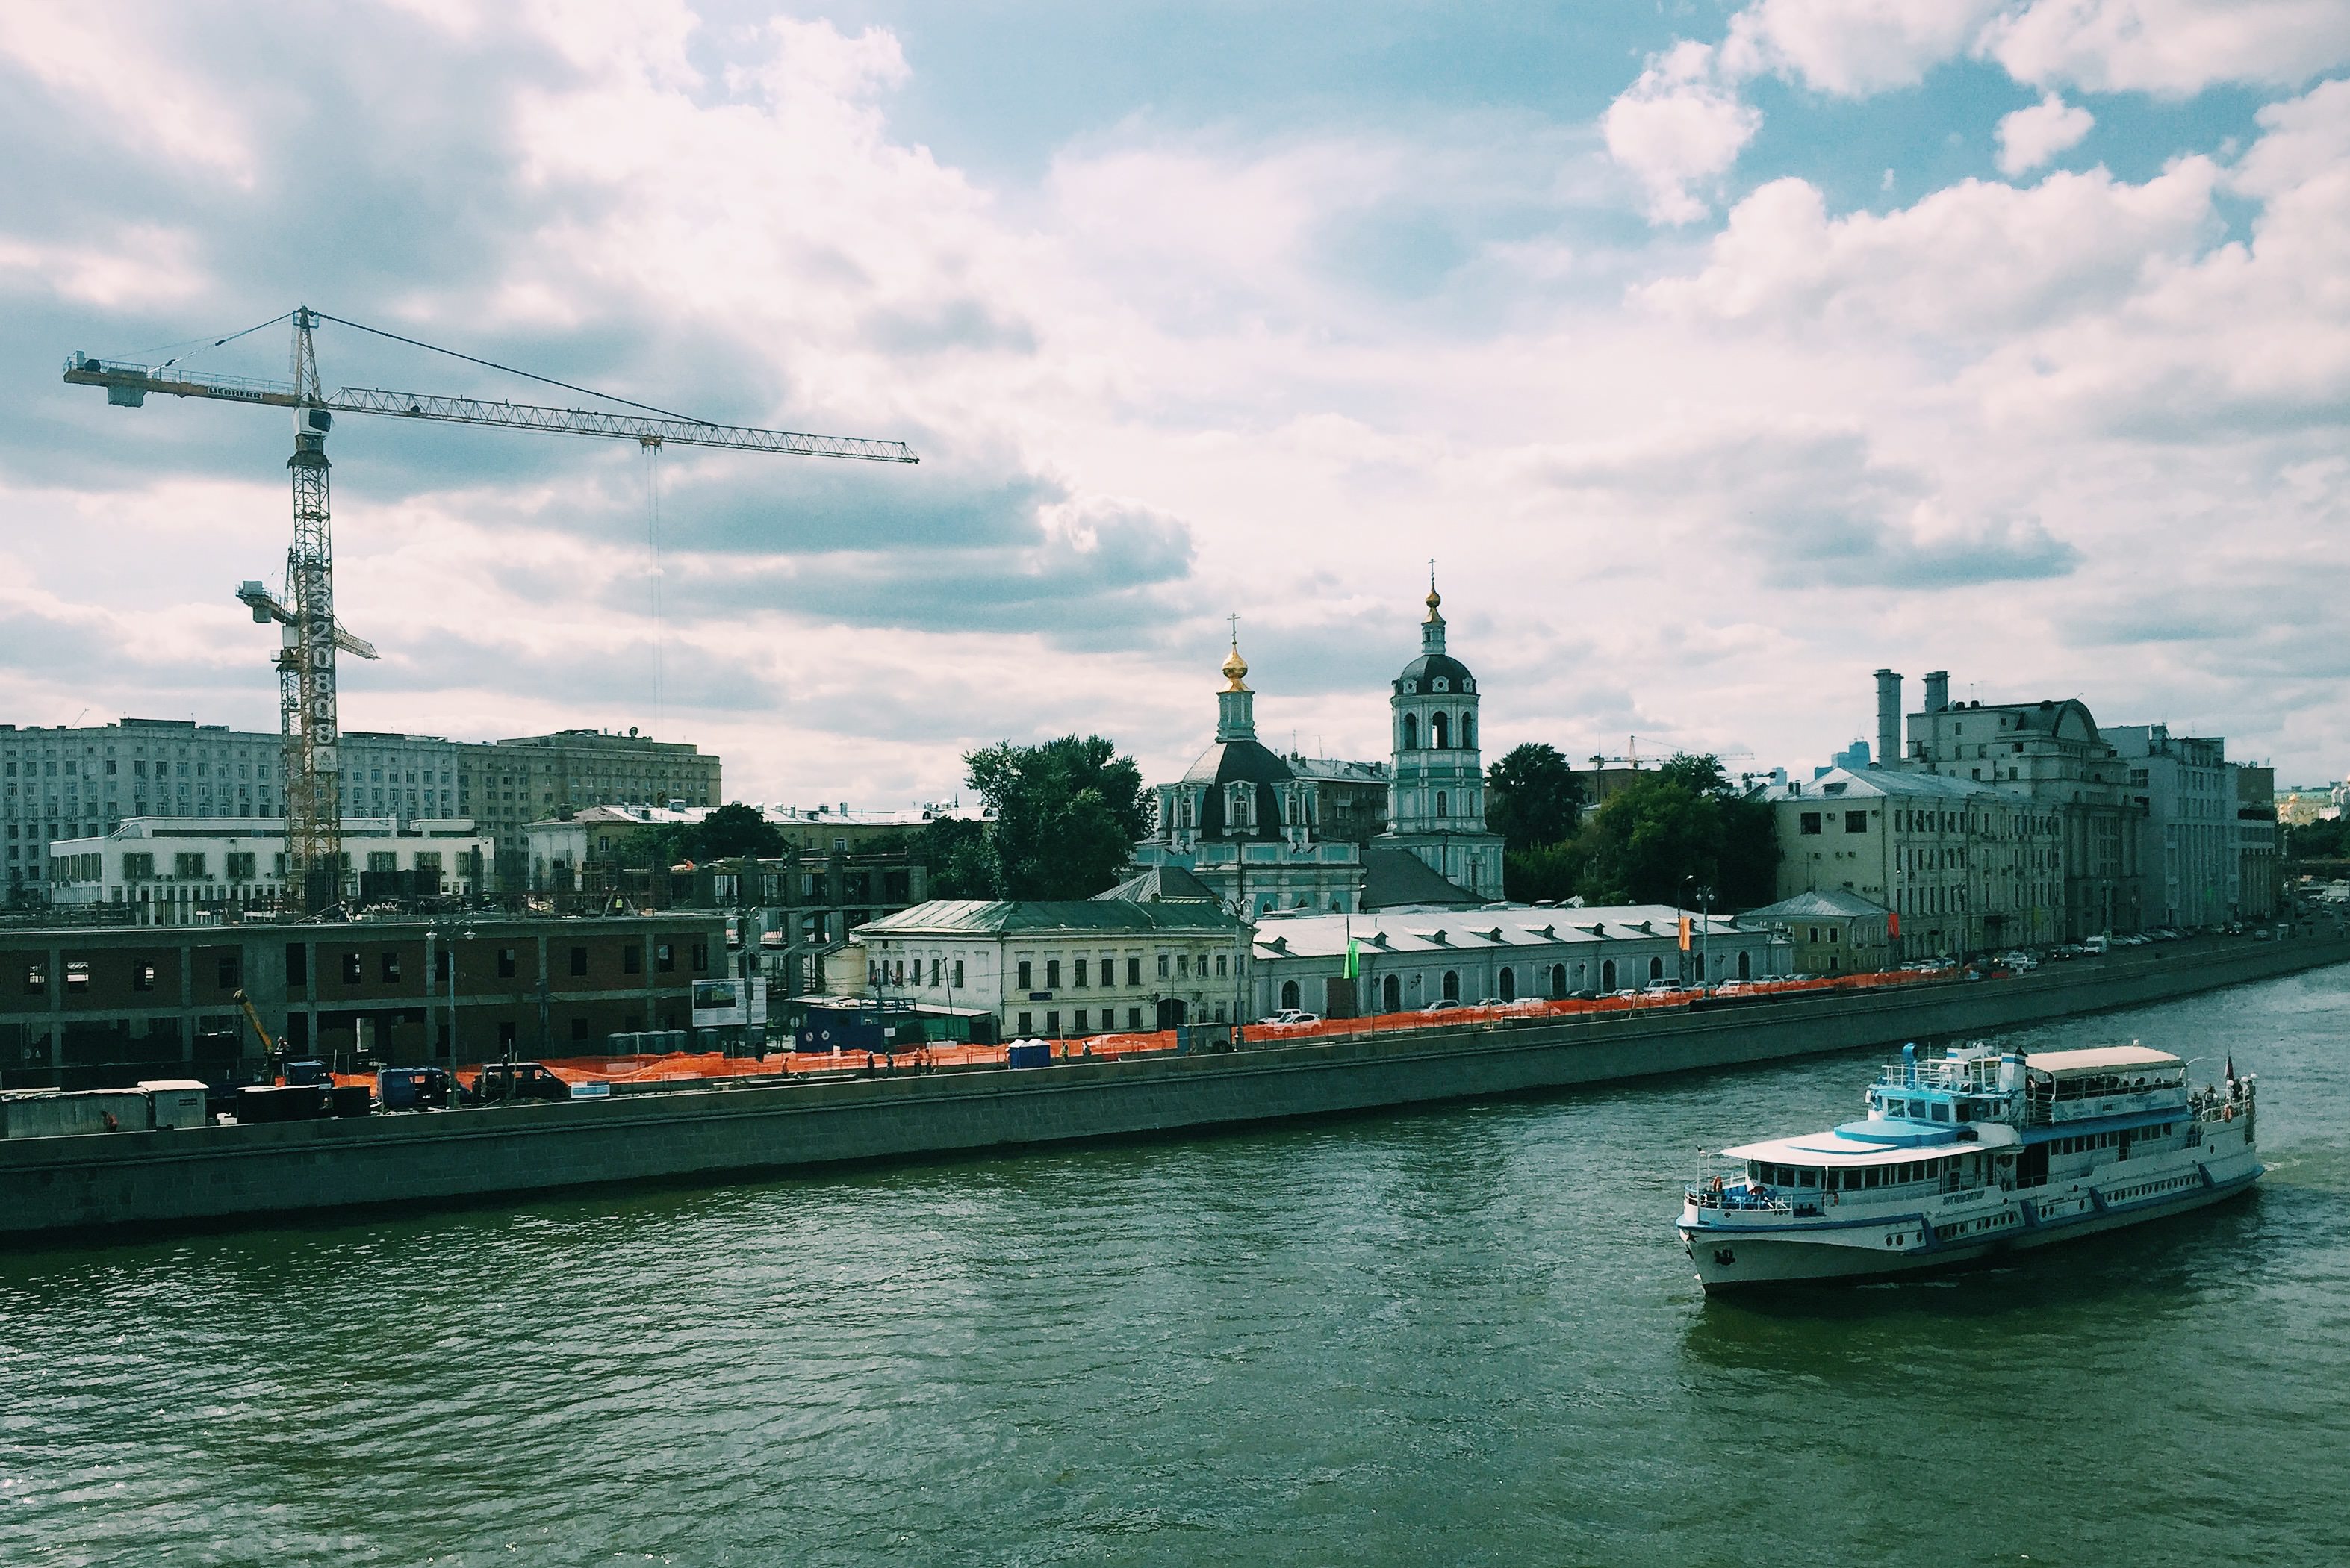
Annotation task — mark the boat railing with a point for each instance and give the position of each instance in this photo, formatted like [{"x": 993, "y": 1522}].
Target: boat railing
[{"x": 1741, "y": 1197}]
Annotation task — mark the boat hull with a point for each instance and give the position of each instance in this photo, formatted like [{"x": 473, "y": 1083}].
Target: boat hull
[{"x": 1734, "y": 1259}]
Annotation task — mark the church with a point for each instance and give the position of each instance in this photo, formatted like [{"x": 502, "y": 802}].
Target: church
[{"x": 1260, "y": 831}]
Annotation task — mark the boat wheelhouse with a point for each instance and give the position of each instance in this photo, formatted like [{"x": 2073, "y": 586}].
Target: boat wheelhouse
[{"x": 1968, "y": 1154}]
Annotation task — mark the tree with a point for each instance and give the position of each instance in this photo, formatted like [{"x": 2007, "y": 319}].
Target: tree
[
  {"x": 1067, "y": 814},
  {"x": 1532, "y": 798},
  {"x": 1543, "y": 871},
  {"x": 960, "y": 855},
  {"x": 2324, "y": 840},
  {"x": 734, "y": 829},
  {"x": 1685, "y": 827}
]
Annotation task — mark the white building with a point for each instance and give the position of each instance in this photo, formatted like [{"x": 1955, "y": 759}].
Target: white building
[
  {"x": 2193, "y": 852},
  {"x": 1097, "y": 966},
  {"x": 1406, "y": 961},
  {"x": 176, "y": 870}
]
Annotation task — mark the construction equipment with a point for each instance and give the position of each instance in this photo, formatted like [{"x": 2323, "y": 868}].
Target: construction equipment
[
  {"x": 269, "y": 1047},
  {"x": 307, "y": 706}
]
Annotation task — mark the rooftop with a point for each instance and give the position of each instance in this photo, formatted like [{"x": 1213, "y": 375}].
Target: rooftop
[
  {"x": 1003, "y": 917},
  {"x": 1477, "y": 929}
]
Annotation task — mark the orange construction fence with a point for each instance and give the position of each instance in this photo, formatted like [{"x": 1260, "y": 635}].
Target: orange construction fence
[{"x": 690, "y": 1066}]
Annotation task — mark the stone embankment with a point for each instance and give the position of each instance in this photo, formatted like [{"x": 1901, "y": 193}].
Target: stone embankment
[{"x": 215, "y": 1174}]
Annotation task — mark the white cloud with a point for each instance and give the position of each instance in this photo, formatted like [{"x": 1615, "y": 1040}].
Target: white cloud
[
  {"x": 2170, "y": 47},
  {"x": 1678, "y": 127},
  {"x": 2031, "y": 136},
  {"x": 1851, "y": 48}
]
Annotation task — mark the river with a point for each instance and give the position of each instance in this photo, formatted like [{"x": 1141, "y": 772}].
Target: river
[{"x": 1459, "y": 1334}]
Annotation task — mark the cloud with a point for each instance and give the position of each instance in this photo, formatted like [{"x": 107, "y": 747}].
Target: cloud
[
  {"x": 1676, "y": 128},
  {"x": 1851, "y": 48},
  {"x": 2173, "y": 47},
  {"x": 2031, "y": 136}
]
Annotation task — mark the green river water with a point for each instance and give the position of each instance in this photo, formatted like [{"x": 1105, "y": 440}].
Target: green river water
[{"x": 1457, "y": 1334}]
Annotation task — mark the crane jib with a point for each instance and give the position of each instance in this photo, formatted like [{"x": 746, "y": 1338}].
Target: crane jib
[{"x": 130, "y": 383}]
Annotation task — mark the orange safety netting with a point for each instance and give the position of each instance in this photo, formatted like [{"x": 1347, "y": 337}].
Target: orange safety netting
[{"x": 690, "y": 1066}]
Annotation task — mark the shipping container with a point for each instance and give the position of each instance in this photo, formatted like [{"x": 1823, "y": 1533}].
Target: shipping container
[
  {"x": 176, "y": 1102},
  {"x": 74, "y": 1115}
]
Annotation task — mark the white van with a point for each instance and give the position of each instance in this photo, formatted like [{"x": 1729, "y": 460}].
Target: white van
[{"x": 2098, "y": 945}]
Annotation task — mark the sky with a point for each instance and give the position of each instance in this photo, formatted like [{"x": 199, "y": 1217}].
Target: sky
[{"x": 1716, "y": 354}]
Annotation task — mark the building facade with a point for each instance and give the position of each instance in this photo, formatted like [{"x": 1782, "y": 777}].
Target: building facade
[
  {"x": 1247, "y": 824},
  {"x": 2191, "y": 847},
  {"x": 1058, "y": 969},
  {"x": 1436, "y": 805},
  {"x": 1405, "y": 962},
  {"x": 1964, "y": 866},
  {"x": 84, "y": 781},
  {"x": 1830, "y": 932},
  {"x": 2260, "y": 871},
  {"x": 86, "y": 1008},
  {"x": 2052, "y": 754},
  {"x": 171, "y": 871}
]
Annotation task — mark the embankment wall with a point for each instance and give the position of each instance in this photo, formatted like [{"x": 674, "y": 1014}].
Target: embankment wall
[{"x": 212, "y": 1174}]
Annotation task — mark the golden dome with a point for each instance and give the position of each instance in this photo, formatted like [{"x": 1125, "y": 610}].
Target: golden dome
[
  {"x": 1434, "y": 599},
  {"x": 1235, "y": 669}
]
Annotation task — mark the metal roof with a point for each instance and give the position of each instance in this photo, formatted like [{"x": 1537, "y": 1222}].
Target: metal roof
[
  {"x": 1008, "y": 917},
  {"x": 1460, "y": 932},
  {"x": 1820, "y": 904},
  {"x": 2099, "y": 1059}
]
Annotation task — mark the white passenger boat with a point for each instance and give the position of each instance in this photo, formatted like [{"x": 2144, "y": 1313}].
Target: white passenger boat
[{"x": 1971, "y": 1154}]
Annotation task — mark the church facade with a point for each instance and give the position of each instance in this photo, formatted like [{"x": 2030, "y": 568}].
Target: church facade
[{"x": 1267, "y": 831}]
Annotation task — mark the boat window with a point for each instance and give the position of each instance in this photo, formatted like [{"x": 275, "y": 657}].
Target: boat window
[
  {"x": 1807, "y": 1177},
  {"x": 1870, "y": 1178},
  {"x": 1754, "y": 1171},
  {"x": 1966, "y": 1111},
  {"x": 1941, "y": 1111}
]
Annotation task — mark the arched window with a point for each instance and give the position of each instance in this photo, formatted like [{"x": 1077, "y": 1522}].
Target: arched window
[
  {"x": 1745, "y": 968},
  {"x": 1411, "y": 732},
  {"x": 1443, "y": 808},
  {"x": 1607, "y": 975},
  {"x": 1468, "y": 732},
  {"x": 1655, "y": 969},
  {"x": 1558, "y": 980},
  {"x": 1509, "y": 983},
  {"x": 1289, "y": 994},
  {"x": 1439, "y": 730},
  {"x": 1391, "y": 993},
  {"x": 1452, "y": 985}
]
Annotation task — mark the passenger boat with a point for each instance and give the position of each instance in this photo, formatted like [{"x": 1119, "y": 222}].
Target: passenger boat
[{"x": 1971, "y": 1154}]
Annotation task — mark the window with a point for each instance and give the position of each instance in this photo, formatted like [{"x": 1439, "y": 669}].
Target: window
[
  {"x": 1809, "y": 821},
  {"x": 1028, "y": 976},
  {"x": 701, "y": 957},
  {"x": 1440, "y": 732},
  {"x": 632, "y": 959},
  {"x": 1081, "y": 1021},
  {"x": 665, "y": 958},
  {"x": 1443, "y": 806},
  {"x": 1223, "y": 961},
  {"x": 578, "y": 961},
  {"x": 391, "y": 966},
  {"x": 506, "y": 963},
  {"x": 1856, "y": 821},
  {"x": 1452, "y": 985},
  {"x": 297, "y": 964},
  {"x": 380, "y": 861},
  {"x": 1655, "y": 969},
  {"x": 1027, "y": 1025},
  {"x": 1163, "y": 960},
  {"x": 1134, "y": 971},
  {"x": 1077, "y": 978},
  {"x": 1411, "y": 732},
  {"x": 579, "y": 1030},
  {"x": 142, "y": 977},
  {"x": 187, "y": 865},
  {"x": 230, "y": 970},
  {"x": 1183, "y": 966},
  {"x": 354, "y": 971},
  {"x": 1289, "y": 994},
  {"x": 957, "y": 971},
  {"x": 1052, "y": 974}
]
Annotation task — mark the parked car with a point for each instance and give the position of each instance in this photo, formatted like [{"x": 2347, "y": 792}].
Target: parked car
[
  {"x": 1584, "y": 995},
  {"x": 1443, "y": 1004},
  {"x": 1291, "y": 1015}
]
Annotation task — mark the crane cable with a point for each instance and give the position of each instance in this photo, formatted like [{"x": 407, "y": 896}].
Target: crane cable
[{"x": 511, "y": 370}]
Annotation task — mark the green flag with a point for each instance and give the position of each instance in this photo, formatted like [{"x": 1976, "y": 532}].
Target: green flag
[{"x": 1354, "y": 957}]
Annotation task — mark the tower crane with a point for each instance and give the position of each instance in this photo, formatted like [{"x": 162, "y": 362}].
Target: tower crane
[{"x": 310, "y": 634}]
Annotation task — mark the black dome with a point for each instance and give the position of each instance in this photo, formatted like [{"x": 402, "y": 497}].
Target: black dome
[
  {"x": 1243, "y": 760},
  {"x": 1424, "y": 669}
]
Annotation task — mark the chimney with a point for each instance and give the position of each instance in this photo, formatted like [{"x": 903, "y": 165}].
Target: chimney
[
  {"x": 1888, "y": 718},
  {"x": 1937, "y": 690}
]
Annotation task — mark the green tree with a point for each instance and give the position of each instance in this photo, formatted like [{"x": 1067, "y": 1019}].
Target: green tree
[
  {"x": 1686, "y": 827},
  {"x": 1067, "y": 813},
  {"x": 960, "y": 855},
  {"x": 1542, "y": 871},
  {"x": 2318, "y": 841},
  {"x": 1532, "y": 798},
  {"x": 734, "y": 829}
]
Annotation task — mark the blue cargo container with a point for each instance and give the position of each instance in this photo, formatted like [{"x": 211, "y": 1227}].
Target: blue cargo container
[{"x": 1030, "y": 1053}]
